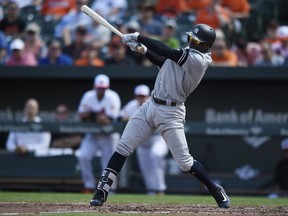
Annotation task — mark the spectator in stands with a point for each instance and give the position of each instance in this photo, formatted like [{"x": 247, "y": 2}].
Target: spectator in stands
[
  {"x": 111, "y": 10},
  {"x": 20, "y": 57},
  {"x": 168, "y": 35},
  {"x": 55, "y": 55},
  {"x": 221, "y": 55},
  {"x": 26, "y": 3},
  {"x": 281, "y": 48},
  {"x": 3, "y": 48},
  {"x": 33, "y": 41},
  {"x": 64, "y": 140},
  {"x": 25, "y": 142},
  {"x": 271, "y": 33},
  {"x": 239, "y": 9},
  {"x": 117, "y": 54},
  {"x": 55, "y": 9},
  {"x": 247, "y": 51},
  {"x": 91, "y": 56},
  {"x": 196, "y": 5},
  {"x": 215, "y": 16},
  {"x": 67, "y": 25},
  {"x": 149, "y": 24},
  {"x": 78, "y": 44},
  {"x": 170, "y": 8},
  {"x": 276, "y": 36},
  {"x": 12, "y": 24},
  {"x": 281, "y": 172},
  {"x": 100, "y": 34},
  {"x": 268, "y": 58},
  {"x": 240, "y": 12}
]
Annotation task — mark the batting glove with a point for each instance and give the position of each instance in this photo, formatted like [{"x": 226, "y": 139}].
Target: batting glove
[
  {"x": 130, "y": 37},
  {"x": 137, "y": 47}
]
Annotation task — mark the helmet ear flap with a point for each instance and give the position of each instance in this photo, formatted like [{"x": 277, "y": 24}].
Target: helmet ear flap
[{"x": 188, "y": 38}]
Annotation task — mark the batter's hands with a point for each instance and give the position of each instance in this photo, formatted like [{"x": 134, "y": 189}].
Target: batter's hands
[
  {"x": 130, "y": 37},
  {"x": 137, "y": 47}
]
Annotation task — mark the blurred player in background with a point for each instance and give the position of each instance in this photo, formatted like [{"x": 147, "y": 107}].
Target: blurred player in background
[
  {"x": 64, "y": 140},
  {"x": 150, "y": 154},
  {"x": 100, "y": 105}
]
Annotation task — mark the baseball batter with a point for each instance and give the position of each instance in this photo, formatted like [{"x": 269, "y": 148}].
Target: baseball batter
[
  {"x": 181, "y": 70},
  {"x": 100, "y": 105},
  {"x": 151, "y": 154}
]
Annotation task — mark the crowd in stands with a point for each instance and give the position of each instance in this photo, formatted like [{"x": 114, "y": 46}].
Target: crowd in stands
[{"x": 56, "y": 32}]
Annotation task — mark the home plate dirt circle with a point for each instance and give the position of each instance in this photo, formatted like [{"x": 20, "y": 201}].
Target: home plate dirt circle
[{"x": 27, "y": 208}]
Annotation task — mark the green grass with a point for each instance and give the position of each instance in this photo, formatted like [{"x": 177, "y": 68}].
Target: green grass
[
  {"x": 241, "y": 201},
  {"x": 138, "y": 198}
]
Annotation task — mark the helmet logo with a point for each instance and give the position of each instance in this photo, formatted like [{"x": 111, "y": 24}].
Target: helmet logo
[{"x": 196, "y": 30}]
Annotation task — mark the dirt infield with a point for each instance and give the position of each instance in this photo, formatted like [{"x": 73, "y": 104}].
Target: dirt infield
[{"x": 23, "y": 208}]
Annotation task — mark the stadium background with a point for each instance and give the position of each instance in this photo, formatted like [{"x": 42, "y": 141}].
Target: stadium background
[{"x": 223, "y": 90}]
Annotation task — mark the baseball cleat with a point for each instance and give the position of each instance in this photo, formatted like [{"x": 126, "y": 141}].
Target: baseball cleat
[
  {"x": 97, "y": 200},
  {"x": 221, "y": 197}
]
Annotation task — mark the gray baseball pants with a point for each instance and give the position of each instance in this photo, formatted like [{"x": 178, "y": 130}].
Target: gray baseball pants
[{"x": 169, "y": 120}]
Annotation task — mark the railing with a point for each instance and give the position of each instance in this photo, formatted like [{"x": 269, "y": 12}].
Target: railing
[
  {"x": 191, "y": 128},
  {"x": 136, "y": 72}
]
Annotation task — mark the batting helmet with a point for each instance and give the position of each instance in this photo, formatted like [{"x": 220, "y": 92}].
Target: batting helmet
[{"x": 202, "y": 34}]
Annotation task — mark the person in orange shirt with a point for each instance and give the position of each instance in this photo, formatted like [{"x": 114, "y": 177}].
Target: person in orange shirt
[
  {"x": 239, "y": 8},
  {"x": 55, "y": 9},
  {"x": 240, "y": 12},
  {"x": 222, "y": 56},
  {"x": 90, "y": 56},
  {"x": 170, "y": 8},
  {"x": 196, "y": 5},
  {"x": 214, "y": 15}
]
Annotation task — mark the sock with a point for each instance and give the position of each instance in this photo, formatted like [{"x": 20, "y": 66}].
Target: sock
[
  {"x": 116, "y": 162},
  {"x": 200, "y": 173}
]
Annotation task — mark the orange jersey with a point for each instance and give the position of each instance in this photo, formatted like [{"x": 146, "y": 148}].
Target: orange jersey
[
  {"x": 236, "y": 6},
  {"x": 57, "y": 7},
  {"x": 211, "y": 18},
  {"x": 198, "y": 4},
  {"x": 229, "y": 57},
  {"x": 171, "y": 7}
]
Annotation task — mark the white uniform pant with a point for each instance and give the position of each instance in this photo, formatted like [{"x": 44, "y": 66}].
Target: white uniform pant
[
  {"x": 151, "y": 159},
  {"x": 92, "y": 145}
]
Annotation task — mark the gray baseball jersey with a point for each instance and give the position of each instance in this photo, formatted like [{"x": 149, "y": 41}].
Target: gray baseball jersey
[{"x": 176, "y": 82}]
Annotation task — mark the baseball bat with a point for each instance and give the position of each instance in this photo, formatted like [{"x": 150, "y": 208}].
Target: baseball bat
[{"x": 99, "y": 19}]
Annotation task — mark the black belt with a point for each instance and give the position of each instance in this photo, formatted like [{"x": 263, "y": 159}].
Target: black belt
[{"x": 163, "y": 102}]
